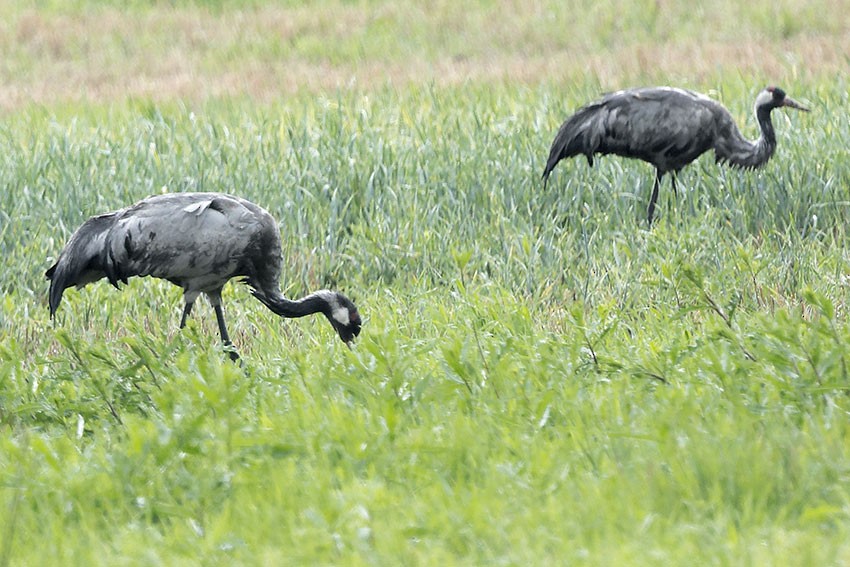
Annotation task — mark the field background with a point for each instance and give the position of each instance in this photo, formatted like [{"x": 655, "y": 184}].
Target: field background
[{"x": 540, "y": 379}]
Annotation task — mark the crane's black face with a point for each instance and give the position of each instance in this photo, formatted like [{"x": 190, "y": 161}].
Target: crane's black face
[
  {"x": 777, "y": 98},
  {"x": 348, "y": 332},
  {"x": 345, "y": 318},
  {"x": 777, "y": 93}
]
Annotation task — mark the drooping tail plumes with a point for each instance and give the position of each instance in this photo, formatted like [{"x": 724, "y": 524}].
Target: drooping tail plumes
[
  {"x": 81, "y": 260},
  {"x": 581, "y": 134}
]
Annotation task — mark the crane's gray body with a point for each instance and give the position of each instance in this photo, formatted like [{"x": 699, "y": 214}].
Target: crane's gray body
[
  {"x": 197, "y": 241},
  {"x": 666, "y": 127}
]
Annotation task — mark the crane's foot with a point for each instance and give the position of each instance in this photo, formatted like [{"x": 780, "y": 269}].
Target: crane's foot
[
  {"x": 231, "y": 351},
  {"x": 650, "y": 214}
]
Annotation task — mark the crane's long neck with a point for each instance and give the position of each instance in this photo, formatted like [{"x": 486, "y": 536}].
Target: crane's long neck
[
  {"x": 733, "y": 148},
  {"x": 316, "y": 302}
]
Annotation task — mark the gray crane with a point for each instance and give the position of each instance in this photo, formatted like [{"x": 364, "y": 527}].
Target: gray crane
[
  {"x": 197, "y": 241},
  {"x": 667, "y": 127}
]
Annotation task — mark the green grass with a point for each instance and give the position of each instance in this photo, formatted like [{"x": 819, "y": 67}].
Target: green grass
[{"x": 539, "y": 378}]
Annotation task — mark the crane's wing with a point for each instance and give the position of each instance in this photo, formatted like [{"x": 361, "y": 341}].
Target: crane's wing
[
  {"x": 201, "y": 240},
  {"x": 666, "y": 127}
]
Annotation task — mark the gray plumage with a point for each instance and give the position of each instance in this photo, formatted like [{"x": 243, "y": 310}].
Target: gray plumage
[
  {"x": 197, "y": 241},
  {"x": 667, "y": 127}
]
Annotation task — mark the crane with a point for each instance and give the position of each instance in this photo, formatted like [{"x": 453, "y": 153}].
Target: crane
[
  {"x": 197, "y": 241},
  {"x": 667, "y": 127}
]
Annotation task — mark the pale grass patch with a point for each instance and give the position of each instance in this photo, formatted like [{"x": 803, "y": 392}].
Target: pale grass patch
[{"x": 190, "y": 53}]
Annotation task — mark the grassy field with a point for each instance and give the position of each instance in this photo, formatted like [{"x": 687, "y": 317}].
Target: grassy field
[{"x": 540, "y": 379}]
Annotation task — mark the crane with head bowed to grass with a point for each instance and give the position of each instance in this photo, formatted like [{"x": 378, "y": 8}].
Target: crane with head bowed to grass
[
  {"x": 667, "y": 127},
  {"x": 197, "y": 241}
]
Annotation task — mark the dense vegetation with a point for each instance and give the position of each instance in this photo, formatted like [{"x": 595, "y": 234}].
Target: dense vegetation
[{"x": 540, "y": 377}]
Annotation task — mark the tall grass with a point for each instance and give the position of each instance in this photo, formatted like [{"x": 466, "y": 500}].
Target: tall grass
[{"x": 540, "y": 377}]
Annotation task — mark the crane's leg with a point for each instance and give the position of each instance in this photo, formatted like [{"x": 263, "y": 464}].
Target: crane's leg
[
  {"x": 222, "y": 328},
  {"x": 654, "y": 197},
  {"x": 215, "y": 300},
  {"x": 187, "y": 309},
  {"x": 189, "y": 298}
]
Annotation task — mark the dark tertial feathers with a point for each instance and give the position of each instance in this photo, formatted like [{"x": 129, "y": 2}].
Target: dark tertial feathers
[{"x": 81, "y": 260}]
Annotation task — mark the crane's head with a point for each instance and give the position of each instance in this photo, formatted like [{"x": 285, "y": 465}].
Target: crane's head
[
  {"x": 774, "y": 97},
  {"x": 343, "y": 315}
]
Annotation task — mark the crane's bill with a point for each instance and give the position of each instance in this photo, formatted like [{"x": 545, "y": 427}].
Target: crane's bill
[{"x": 794, "y": 104}]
